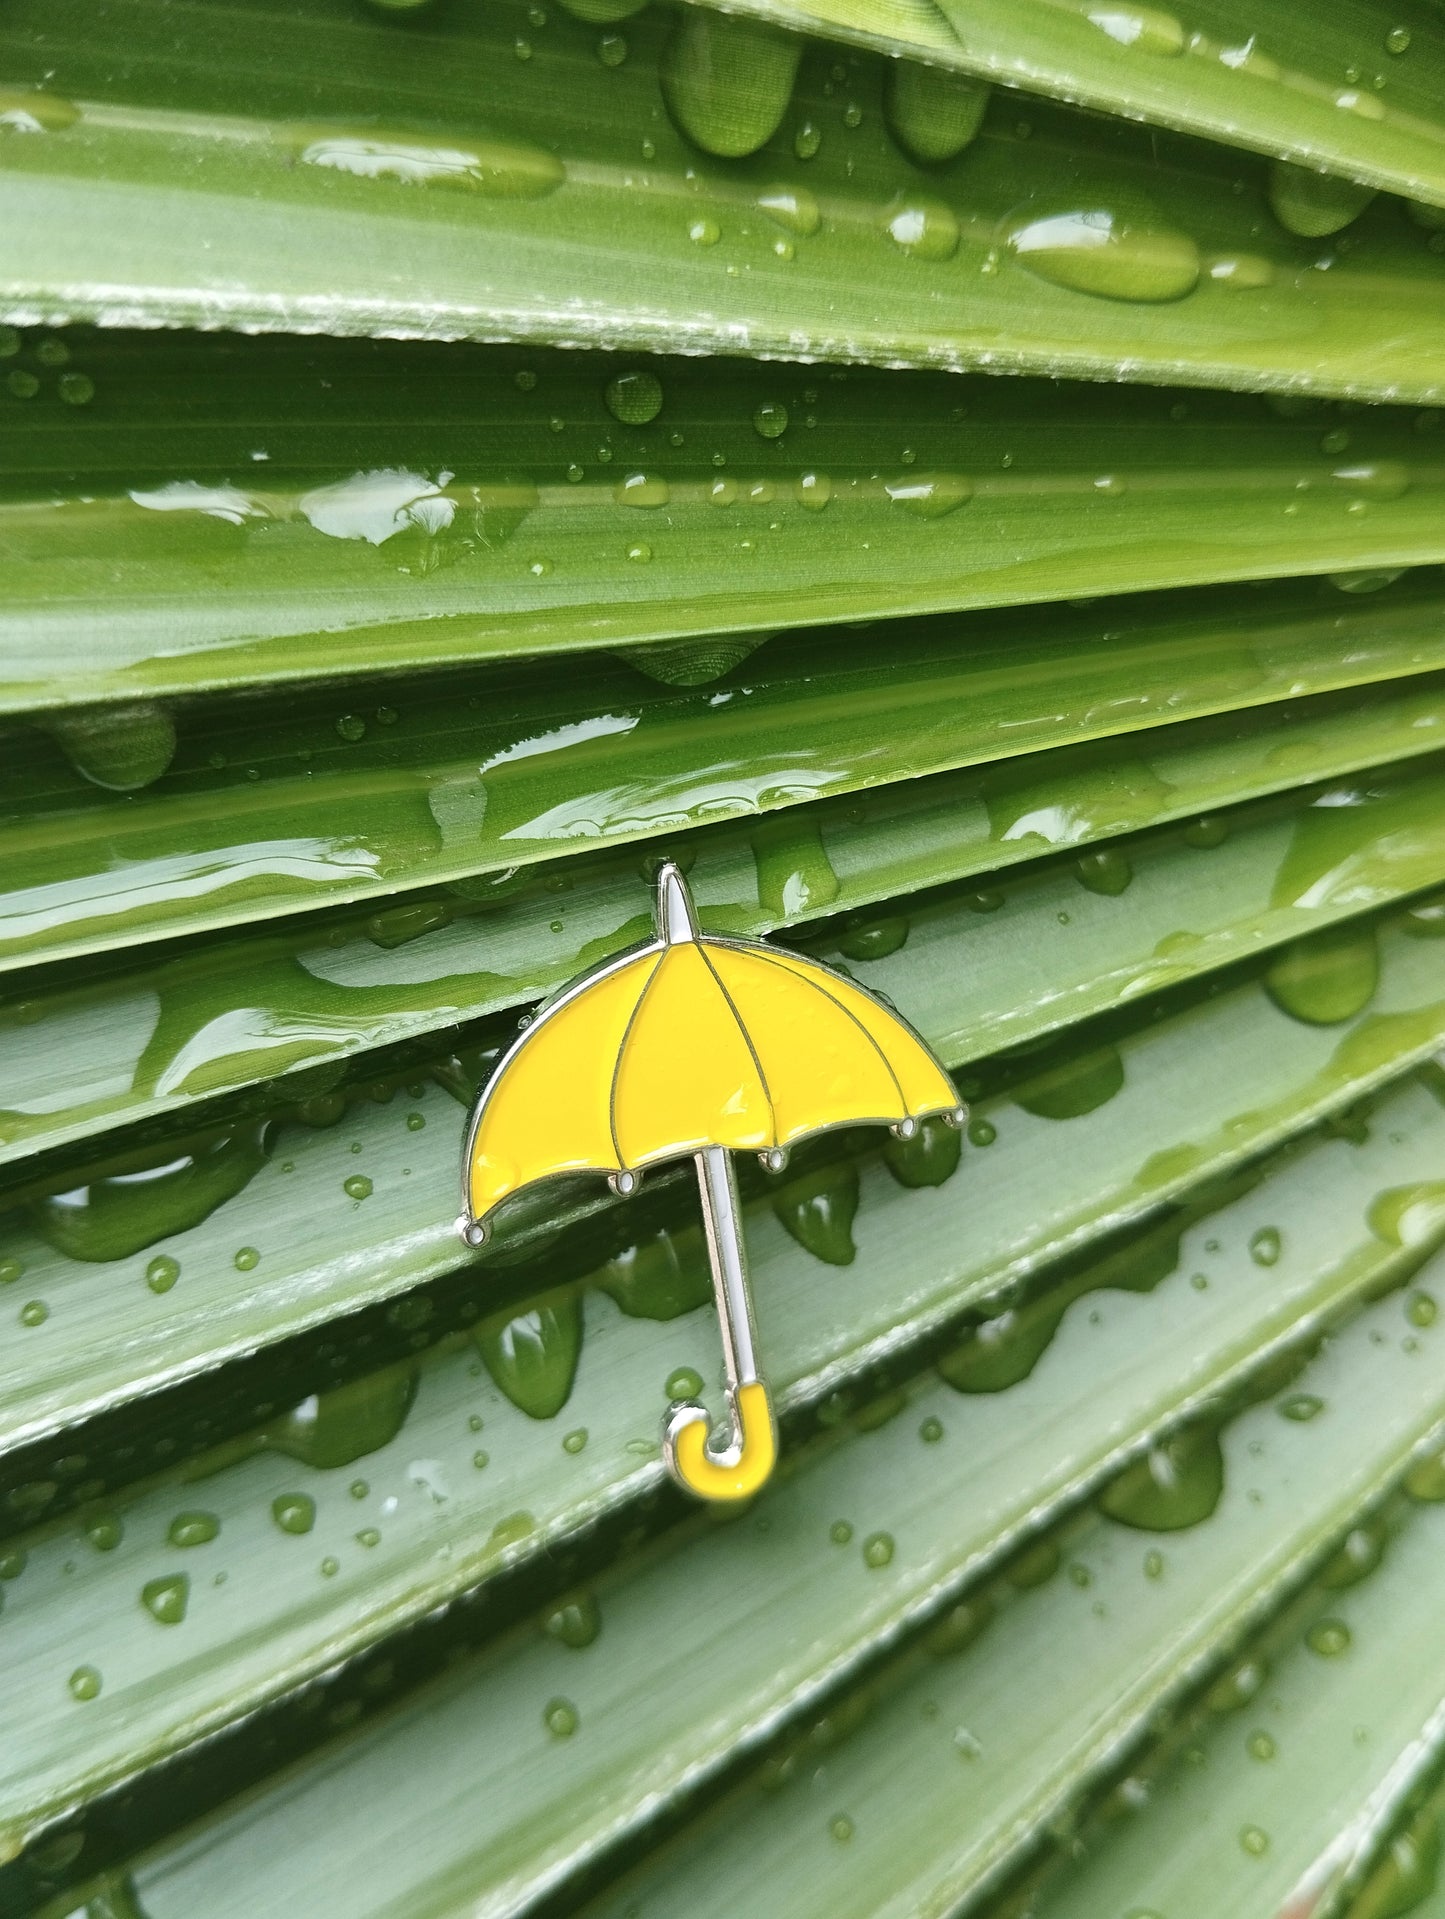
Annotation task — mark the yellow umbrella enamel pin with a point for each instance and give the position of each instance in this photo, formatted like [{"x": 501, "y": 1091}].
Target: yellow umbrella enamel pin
[{"x": 697, "y": 1045}]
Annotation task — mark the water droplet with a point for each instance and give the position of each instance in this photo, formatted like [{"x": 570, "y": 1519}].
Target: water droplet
[
  {"x": 1366, "y": 580},
  {"x": 770, "y": 420},
  {"x": 874, "y": 939},
  {"x": 684, "y": 1383},
  {"x": 357, "y": 1187},
  {"x": 793, "y": 208},
  {"x": 34, "y": 1312},
  {"x": 25, "y": 112},
  {"x": 368, "y": 1536},
  {"x": 333, "y": 1428},
  {"x": 931, "y": 1431},
  {"x": 634, "y": 398},
  {"x": 981, "y": 1132},
  {"x": 807, "y": 140},
  {"x": 1265, "y": 1246},
  {"x": 12, "y": 1562},
  {"x": 704, "y": 232},
  {"x": 926, "y": 228},
  {"x": 84, "y": 1683},
  {"x": 1314, "y": 204},
  {"x": 1361, "y": 1553},
  {"x": 1329, "y": 1638},
  {"x": 1254, "y": 1840},
  {"x": 330, "y": 1567},
  {"x": 415, "y": 1122},
  {"x": 162, "y": 1273},
  {"x": 1408, "y": 1215},
  {"x": 575, "y": 1621},
  {"x": 166, "y": 1599},
  {"x": 929, "y": 1158},
  {"x": 10, "y": 1271},
  {"x": 1301, "y": 1406},
  {"x": 120, "y": 748},
  {"x": 246, "y": 1260},
  {"x": 932, "y": 114},
  {"x": 574, "y": 1442},
  {"x": 841, "y": 1828},
  {"x": 1113, "y": 255},
  {"x": 1105, "y": 871},
  {"x": 481, "y": 1460},
  {"x": 640, "y": 552},
  {"x": 794, "y": 872},
  {"x": 294, "y": 1512},
  {"x": 115, "y": 1216},
  {"x": 878, "y": 1550},
  {"x": 930, "y": 495},
  {"x": 612, "y": 50},
  {"x": 24, "y": 385},
  {"x": 1421, "y": 1309},
  {"x": 818, "y": 1210},
  {"x": 641, "y": 489},
  {"x": 1143, "y": 29},
  {"x": 1176, "y": 1485},
  {"x": 1153, "y": 1565},
  {"x": 1075, "y": 1086},
  {"x": 727, "y": 81},
  {"x": 813, "y": 491},
  {"x": 840, "y": 1532},
  {"x": 533, "y": 1355},
  {"x": 351, "y": 726},
  {"x": 193, "y": 1529},
  {"x": 1327, "y": 977},
  {"x": 500, "y": 170},
  {"x": 1241, "y": 272},
  {"x": 559, "y": 1716},
  {"x": 1397, "y": 40}
]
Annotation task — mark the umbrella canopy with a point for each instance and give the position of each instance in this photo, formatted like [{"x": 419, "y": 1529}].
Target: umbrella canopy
[{"x": 689, "y": 1042}]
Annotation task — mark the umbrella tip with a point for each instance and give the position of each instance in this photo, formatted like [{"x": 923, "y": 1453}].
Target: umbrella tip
[{"x": 676, "y": 921}]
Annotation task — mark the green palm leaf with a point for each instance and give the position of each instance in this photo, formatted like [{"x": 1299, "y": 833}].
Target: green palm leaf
[{"x": 354, "y": 690}]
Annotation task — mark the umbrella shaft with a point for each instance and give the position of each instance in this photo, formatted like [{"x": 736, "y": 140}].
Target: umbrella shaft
[{"x": 729, "y": 1263}]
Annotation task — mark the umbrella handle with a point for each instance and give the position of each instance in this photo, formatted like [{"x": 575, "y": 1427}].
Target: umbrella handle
[{"x": 737, "y": 1470}]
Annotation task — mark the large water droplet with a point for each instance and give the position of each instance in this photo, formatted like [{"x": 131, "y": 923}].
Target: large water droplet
[
  {"x": 171, "y": 1190},
  {"x": 661, "y": 1276},
  {"x": 121, "y": 748},
  {"x": 794, "y": 871},
  {"x": 1175, "y": 1485},
  {"x": 1327, "y": 977},
  {"x": 794, "y": 208},
  {"x": 929, "y": 1158},
  {"x": 576, "y": 1622},
  {"x": 818, "y": 1209},
  {"x": 693, "y": 662},
  {"x": 1143, "y": 29},
  {"x": 294, "y": 1512},
  {"x": 1075, "y": 1086},
  {"x": 727, "y": 81},
  {"x": 193, "y": 1529},
  {"x": 533, "y": 1355},
  {"x": 932, "y": 113},
  {"x": 930, "y": 495},
  {"x": 642, "y": 489},
  {"x": 923, "y": 227},
  {"x": 333, "y": 1428},
  {"x": 166, "y": 1599},
  {"x": 1313, "y": 204},
  {"x": 1114, "y": 255},
  {"x": 499, "y": 170},
  {"x": 634, "y": 398}
]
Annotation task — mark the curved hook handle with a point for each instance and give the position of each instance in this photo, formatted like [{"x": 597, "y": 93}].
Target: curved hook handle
[{"x": 738, "y": 1471}]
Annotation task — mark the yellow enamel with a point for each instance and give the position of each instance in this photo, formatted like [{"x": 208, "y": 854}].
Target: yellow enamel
[
  {"x": 548, "y": 1109},
  {"x": 822, "y": 1068},
  {"x": 687, "y": 1078},
  {"x": 698, "y": 1043},
  {"x": 926, "y": 1087},
  {"x": 704, "y": 1476}
]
